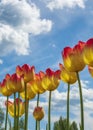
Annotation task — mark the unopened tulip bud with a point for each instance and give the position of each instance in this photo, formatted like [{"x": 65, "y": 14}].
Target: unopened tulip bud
[{"x": 38, "y": 113}]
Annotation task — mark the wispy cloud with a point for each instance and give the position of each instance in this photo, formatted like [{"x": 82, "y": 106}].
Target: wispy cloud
[{"x": 60, "y": 4}]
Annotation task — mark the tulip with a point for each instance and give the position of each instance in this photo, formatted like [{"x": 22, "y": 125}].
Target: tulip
[
  {"x": 15, "y": 83},
  {"x": 37, "y": 88},
  {"x": 52, "y": 79},
  {"x": 74, "y": 62},
  {"x": 36, "y": 84},
  {"x": 73, "y": 57},
  {"x": 5, "y": 91},
  {"x": 88, "y": 52},
  {"x": 69, "y": 78},
  {"x": 16, "y": 113},
  {"x": 28, "y": 73},
  {"x": 38, "y": 113},
  {"x": 50, "y": 82},
  {"x": 11, "y": 107}
]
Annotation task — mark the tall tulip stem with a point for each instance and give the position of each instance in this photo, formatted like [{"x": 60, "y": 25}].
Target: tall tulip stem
[
  {"x": 68, "y": 106},
  {"x": 15, "y": 111},
  {"x": 49, "y": 112},
  {"x": 26, "y": 108},
  {"x": 6, "y": 114},
  {"x": 38, "y": 96},
  {"x": 38, "y": 122},
  {"x": 38, "y": 125},
  {"x": 18, "y": 110},
  {"x": 81, "y": 102}
]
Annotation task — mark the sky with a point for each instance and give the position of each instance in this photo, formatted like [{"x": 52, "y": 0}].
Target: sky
[{"x": 35, "y": 32}]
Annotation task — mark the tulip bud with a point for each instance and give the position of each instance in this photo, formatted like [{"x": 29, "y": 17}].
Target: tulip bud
[{"x": 38, "y": 113}]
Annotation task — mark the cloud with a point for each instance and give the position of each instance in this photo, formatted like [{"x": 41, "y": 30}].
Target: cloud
[
  {"x": 18, "y": 19},
  {"x": 11, "y": 39},
  {"x": 60, "y": 4}
]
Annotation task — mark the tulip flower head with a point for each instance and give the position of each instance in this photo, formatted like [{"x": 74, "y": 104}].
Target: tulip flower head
[
  {"x": 73, "y": 58},
  {"x": 38, "y": 113},
  {"x": 52, "y": 79},
  {"x": 88, "y": 52},
  {"x": 15, "y": 83},
  {"x": 67, "y": 76},
  {"x": 36, "y": 84},
  {"x": 11, "y": 107},
  {"x": 3, "y": 88},
  {"x": 27, "y": 71}
]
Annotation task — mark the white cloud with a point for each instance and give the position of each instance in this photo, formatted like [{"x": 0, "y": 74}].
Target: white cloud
[
  {"x": 11, "y": 39},
  {"x": 60, "y": 4},
  {"x": 18, "y": 19}
]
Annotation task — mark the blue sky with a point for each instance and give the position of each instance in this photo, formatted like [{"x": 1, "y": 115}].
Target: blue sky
[{"x": 35, "y": 32}]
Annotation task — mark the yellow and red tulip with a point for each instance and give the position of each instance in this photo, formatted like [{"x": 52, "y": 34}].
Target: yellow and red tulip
[
  {"x": 88, "y": 52},
  {"x": 11, "y": 107},
  {"x": 67, "y": 76},
  {"x": 52, "y": 79},
  {"x": 27, "y": 71},
  {"x": 38, "y": 113},
  {"x": 36, "y": 84},
  {"x": 15, "y": 83},
  {"x": 73, "y": 57},
  {"x": 3, "y": 88}
]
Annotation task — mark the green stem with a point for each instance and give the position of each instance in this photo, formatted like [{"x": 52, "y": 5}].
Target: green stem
[
  {"x": 14, "y": 111},
  {"x": 18, "y": 111},
  {"x": 49, "y": 112},
  {"x": 6, "y": 114},
  {"x": 68, "y": 106},
  {"x": 25, "y": 104},
  {"x": 38, "y": 96},
  {"x": 9, "y": 121},
  {"x": 81, "y": 102},
  {"x": 26, "y": 108},
  {"x": 37, "y": 122},
  {"x": 38, "y": 125}
]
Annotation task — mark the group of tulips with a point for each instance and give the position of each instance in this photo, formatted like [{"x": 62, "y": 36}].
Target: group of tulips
[{"x": 25, "y": 84}]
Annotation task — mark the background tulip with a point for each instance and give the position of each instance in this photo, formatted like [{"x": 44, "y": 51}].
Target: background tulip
[
  {"x": 11, "y": 107},
  {"x": 38, "y": 113}
]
